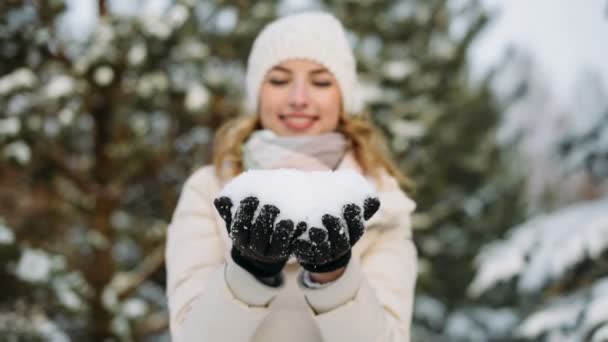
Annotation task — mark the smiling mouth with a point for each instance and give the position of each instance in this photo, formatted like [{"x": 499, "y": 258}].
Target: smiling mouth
[{"x": 298, "y": 122}]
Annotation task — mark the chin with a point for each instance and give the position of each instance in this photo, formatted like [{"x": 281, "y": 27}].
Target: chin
[
  {"x": 286, "y": 130},
  {"x": 299, "y": 133}
]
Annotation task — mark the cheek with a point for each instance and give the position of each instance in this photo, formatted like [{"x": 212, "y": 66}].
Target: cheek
[
  {"x": 331, "y": 106},
  {"x": 270, "y": 106},
  {"x": 267, "y": 104},
  {"x": 329, "y": 122},
  {"x": 268, "y": 119}
]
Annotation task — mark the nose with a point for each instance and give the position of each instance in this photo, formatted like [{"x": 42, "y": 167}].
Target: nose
[{"x": 298, "y": 95}]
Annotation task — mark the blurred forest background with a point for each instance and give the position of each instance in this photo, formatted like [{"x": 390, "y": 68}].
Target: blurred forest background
[{"x": 98, "y": 134}]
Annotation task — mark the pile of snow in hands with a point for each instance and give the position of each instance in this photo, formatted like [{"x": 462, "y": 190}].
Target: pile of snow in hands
[{"x": 301, "y": 196}]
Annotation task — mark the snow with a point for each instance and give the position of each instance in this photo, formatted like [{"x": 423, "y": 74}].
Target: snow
[
  {"x": 120, "y": 326},
  {"x": 442, "y": 47},
  {"x": 498, "y": 320},
  {"x": 68, "y": 298},
  {"x": 570, "y": 318},
  {"x": 137, "y": 54},
  {"x": 409, "y": 129},
  {"x": 226, "y": 20},
  {"x": 154, "y": 26},
  {"x": 79, "y": 20},
  {"x": 101, "y": 46},
  {"x": 480, "y": 324},
  {"x": 462, "y": 327},
  {"x": 69, "y": 287},
  {"x": 369, "y": 90},
  {"x": 401, "y": 11},
  {"x": 429, "y": 309},
  {"x": 7, "y": 237},
  {"x": 103, "y": 75},
  {"x": 589, "y": 144},
  {"x": 49, "y": 330},
  {"x": 96, "y": 239},
  {"x": 153, "y": 293},
  {"x": 119, "y": 283},
  {"x": 596, "y": 312},
  {"x": 369, "y": 48},
  {"x": 126, "y": 251},
  {"x": 51, "y": 127},
  {"x": 20, "y": 78},
  {"x": 152, "y": 82},
  {"x": 159, "y": 124},
  {"x": 109, "y": 297},
  {"x": 553, "y": 244},
  {"x": 542, "y": 251},
  {"x": 213, "y": 73},
  {"x": 121, "y": 220},
  {"x": 140, "y": 124},
  {"x": 197, "y": 97},
  {"x": 499, "y": 263},
  {"x": 135, "y": 308},
  {"x": 301, "y": 195},
  {"x": 59, "y": 86},
  {"x": 9, "y": 126},
  {"x": 34, "y": 266},
  {"x": 18, "y": 150},
  {"x": 261, "y": 9},
  {"x": 398, "y": 70},
  {"x": 66, "y": 116},
  {"x": 196, "y": 136},
  {"x": 551, "y": 319},
  {"x": 286, "y": 7},
  {"x": 20, "y": 103},
  {"x": 600, "y": 335},
  {"x": 190, "y": 49},
  {"x": 178, "y": 15}
]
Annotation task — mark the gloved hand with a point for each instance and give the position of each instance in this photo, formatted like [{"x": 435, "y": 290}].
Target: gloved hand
[
  {"x": 260, "y": 247},
  {"x": 329, "y": 249}
]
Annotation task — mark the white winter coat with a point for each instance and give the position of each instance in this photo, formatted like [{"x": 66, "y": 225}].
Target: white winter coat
[{"x": 213, "y": 299}]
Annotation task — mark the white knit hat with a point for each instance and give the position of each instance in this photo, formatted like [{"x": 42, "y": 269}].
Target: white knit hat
[{"x": 315, "y": 36}]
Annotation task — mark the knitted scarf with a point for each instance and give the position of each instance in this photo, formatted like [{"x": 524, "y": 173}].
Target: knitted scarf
[{"x": 266, "y": 150}]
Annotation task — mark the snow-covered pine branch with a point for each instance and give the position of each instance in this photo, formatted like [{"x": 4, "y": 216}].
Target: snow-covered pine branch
[
  {"x": 541, "y": 250},
  {"x": 541, "y": 253},
  {"x": 582, "y": 316}
]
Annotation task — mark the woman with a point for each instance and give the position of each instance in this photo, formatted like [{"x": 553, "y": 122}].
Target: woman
[{"x": 301, "y": 82}]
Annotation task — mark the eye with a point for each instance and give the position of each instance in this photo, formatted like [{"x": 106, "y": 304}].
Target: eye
[
  {"x": 278, "y": 81},
  {"x": 322, "y": 84}
]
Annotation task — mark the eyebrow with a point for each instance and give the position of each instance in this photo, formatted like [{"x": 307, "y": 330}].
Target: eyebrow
[{"x": 314, "y": 71}]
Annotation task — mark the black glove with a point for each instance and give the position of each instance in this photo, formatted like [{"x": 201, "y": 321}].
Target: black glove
[
  {"x": 329, "y": 249},
  {"x": 260, "y": 247}
]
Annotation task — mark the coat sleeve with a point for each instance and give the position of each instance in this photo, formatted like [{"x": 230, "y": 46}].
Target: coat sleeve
[
  {"x": 204, "y": 291},
  {"x": 373, "y": 299}
]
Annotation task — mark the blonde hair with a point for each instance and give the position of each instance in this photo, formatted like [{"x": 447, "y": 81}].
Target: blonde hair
[{"x": 366, "y": 142}]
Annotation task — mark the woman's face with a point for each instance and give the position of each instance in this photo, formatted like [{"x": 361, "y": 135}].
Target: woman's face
[{"x": 300, "y": 97}]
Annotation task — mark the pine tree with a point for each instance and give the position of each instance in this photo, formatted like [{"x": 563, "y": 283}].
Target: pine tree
[
  {"x": 97, "y": 138},
  {"x": 550, "y": 271}
]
